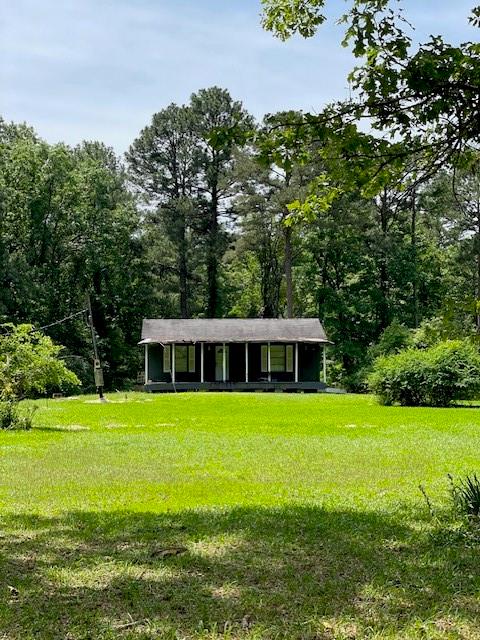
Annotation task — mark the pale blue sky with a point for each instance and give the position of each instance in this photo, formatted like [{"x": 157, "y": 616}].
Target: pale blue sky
[{"x": 98, "y": 69}]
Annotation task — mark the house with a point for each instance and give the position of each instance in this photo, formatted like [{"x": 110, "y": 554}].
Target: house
[{"x": 234, "y": 354}]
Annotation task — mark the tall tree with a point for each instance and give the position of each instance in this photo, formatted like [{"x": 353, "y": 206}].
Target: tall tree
[
  {"x": 466, "y": 189},
  {"x": 452, "y": 204},
  {"x": 260, "y": 231},
  {"x": 271, "y": 178},
  {"x": 285, "y": 156},
  {"x": 215, "y": 112},
  {"x": 164, "y": 163}
]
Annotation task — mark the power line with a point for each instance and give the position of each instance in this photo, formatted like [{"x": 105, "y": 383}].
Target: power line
[
  {"x": 97, "y": 367},
  {"x": 52, "y": 324}
]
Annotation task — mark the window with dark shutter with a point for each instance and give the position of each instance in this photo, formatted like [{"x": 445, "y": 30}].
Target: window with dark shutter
[{"x": 166, "y": 358}]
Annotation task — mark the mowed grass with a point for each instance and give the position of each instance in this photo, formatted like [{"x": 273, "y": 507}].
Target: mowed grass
[{"x": 254, "y": 516}]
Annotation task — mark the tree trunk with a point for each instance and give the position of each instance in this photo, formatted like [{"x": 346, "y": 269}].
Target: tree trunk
[
  {"x": 477, "y": 287},
  {"x": 183, "y": 274},
  {"x": 287, "y": 267},
  {"x": 414, "y": 259},
  {"x": 271, "y": 280},
  {"x": 288, "y": 271},
  {"x": 383, "y": 311},
  {"x": 212, "y": 258}
]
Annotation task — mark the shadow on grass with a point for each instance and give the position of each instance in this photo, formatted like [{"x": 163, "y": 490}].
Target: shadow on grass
[
  {"x": 459, "y": 405},
  {"x": 290, "y": 572}
]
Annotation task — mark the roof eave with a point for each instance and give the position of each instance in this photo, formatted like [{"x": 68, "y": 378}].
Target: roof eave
[{"x": 249, "y": 340}]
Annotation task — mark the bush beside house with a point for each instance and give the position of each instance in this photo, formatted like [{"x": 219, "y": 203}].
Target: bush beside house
[{"x": 436, "y": 376}]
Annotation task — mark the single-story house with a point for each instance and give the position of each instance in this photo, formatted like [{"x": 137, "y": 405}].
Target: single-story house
[{"x": 234, "y": 354}]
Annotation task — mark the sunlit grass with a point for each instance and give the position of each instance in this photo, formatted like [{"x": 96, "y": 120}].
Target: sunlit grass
[{"x": 235, "y": 516}]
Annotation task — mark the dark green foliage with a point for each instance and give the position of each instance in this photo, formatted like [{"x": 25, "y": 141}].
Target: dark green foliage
[
  {"x": 281, "y": 224},
  {"x": 215, "y": 111},
  {"x": 454, "y": 216},
  {"x": 8, "y": 414},
  {"x": 466, "y": 495},
  {"x": 165, "y": 163},
  {"x": 395, "y": 338},
  {"x": 269, "y": 183},
  {"x": 436, "y": 376},
  {"x": 69, "y": 226}
]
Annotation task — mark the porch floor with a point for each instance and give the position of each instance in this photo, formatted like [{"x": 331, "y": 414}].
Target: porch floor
[{"x": 164, "y": 387}]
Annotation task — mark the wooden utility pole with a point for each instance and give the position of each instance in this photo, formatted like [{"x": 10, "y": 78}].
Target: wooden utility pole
[{"x": 97, "y": 365}]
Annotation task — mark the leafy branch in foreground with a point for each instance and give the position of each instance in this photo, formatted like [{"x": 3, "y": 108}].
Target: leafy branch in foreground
[
  {"x": 428, "y": 97},
  {"x": 285, "y": 17}
]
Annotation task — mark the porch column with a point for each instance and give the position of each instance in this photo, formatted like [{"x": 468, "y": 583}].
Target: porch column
[
  {"x": 296, "y": 362},
  {"x": 224, "y": 363},
  {"x": 146, "y": 363},
  {"x": 269, "y": 360},
  {"x": 173, "y": 362},
  {"x": 202, "y": 362},
  {"x": 246, "y": 361},
  {"x": 325, "y": 364}
]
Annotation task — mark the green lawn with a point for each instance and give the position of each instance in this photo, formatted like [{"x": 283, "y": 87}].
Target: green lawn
[{"x": 255, "y": 516}]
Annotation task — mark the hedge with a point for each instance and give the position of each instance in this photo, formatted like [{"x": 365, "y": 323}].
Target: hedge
[{"x": 436, "y": 376}]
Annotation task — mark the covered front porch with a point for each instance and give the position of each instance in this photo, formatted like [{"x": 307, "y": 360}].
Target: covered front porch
[{"x": 225, "y": 366}]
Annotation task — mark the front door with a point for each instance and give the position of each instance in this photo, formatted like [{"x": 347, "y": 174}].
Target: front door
[{"x": 219, "y": 363}]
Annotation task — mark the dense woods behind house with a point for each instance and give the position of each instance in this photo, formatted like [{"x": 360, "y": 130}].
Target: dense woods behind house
[{"x": 197, "y": 221}]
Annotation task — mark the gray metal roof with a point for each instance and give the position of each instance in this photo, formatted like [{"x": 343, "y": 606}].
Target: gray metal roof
[{"x": 233, "y": 330}]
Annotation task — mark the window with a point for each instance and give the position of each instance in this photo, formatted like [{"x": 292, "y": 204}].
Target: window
[
  {"x": 166, "y": 358},
  {"x": 264, "y": 354},
  {"x": 191, "y": 359},
  {"x": 281, "y": 358},
  {"x": 289, "y": 358},
  {"x": 184, "y": 358},
  {"x": 277, "y": 357},
  {"x": 181, "y": 359}
]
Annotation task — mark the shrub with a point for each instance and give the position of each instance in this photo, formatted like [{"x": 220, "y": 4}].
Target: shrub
[
  {"x": 14, "y": 417},
  {"x": 395, "y": 338},
  {"x": 8, "y": 413},
  {"x": 30, "y": 363},
  {"x": 466, "y": 495},
  {"x": 436, "y": 376},
  {"x": 432, "y": 331},
  {"x": 355, "y": 382}
]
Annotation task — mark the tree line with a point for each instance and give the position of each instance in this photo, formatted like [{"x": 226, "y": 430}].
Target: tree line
[{"x": 195, "y": 223}]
